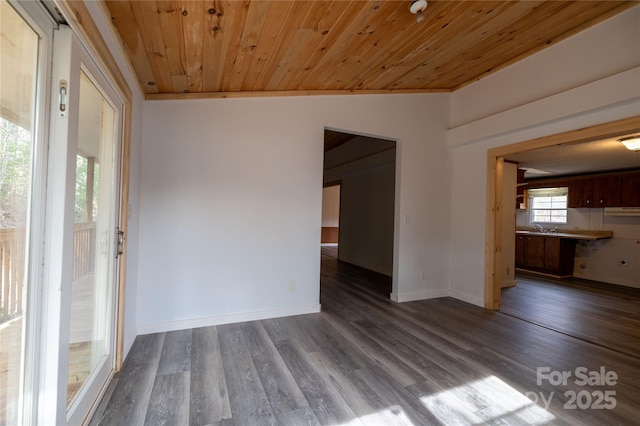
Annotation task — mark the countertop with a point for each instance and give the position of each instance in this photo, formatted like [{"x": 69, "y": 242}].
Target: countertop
[{"x": 577, "y": 234}]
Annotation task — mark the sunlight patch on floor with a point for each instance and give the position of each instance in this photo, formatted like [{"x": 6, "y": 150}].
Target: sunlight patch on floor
[
  {"x": 390, "y": 416},
  {"x": 486, "y": 400}
]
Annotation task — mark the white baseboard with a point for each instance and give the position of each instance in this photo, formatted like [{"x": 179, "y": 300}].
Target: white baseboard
[
  {"x": 478, "y": 301},
  {"x": 128, "y": 343},
  {"x": 421, "y": 295},
  {"x": 160, "y": 327}
]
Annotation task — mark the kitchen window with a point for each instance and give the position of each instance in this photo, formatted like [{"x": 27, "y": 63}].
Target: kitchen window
[{"x": 549, "y": 205}]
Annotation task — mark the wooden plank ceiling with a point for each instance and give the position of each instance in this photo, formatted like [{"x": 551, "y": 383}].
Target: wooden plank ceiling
[{"x": 234, "y": 47}]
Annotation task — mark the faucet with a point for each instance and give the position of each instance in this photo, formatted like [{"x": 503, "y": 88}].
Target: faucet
[{"x": 540, "y": 228}]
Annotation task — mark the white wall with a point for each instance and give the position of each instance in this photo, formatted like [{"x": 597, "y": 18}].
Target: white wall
[
  {"x": 588, "y": 79},
  {"x": 231, "y": 193},
  {"x": 106, "y": 29},
  {"x": 601, "y": 260},
  {"x": 331, "y": 206}
]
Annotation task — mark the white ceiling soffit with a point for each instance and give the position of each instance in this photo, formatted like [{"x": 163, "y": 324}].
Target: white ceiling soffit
[{"x": 579, "y": 158}]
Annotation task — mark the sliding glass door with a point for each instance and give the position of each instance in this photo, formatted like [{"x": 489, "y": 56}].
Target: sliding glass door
[
  {"x": 84, "y": 197},
  {"x": 60, "y": 138},
  {"x": 23, "y": 46},
  {"x": 91, "y": 331}
]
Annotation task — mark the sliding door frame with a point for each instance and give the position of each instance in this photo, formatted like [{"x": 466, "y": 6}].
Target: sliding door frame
[
  {"x": 83, "y": 25},
  {"x": 43, "y": 25}
]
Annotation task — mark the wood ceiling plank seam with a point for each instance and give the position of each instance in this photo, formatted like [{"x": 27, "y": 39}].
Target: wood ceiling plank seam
[
  {"x": 286, "y": 36},
  {"x": 505, "y": 25},
  {"x": 332, "y": 27},
  {"x": 375, "y": 50},
  {"x": 213, "y": 47},
  {"x": 508, "y": 54},
  {"x": 408, "y": 38},
  {"x": 427, "y": 39},
  {"x": 328, "y": 76},
  {"x": 268, "y": 39},
  {"x": 312, "y": 23},
  {"x": 317, "y": 10},
  {"x": 352, "y": 21},
  {"x": 350, "y": 68},
  {"x": 146, "y": 15},
  {"x": 170, "y": 16},
  {"x": 403, "y": 29},
  {"x": 234, "y": 38},
  {"x": 293, "y": 58},
  {"x": 251, "y": 33},
  {"x": 421, "y": 73},
  {"x": 448, "y": 26},
  {"x": 502, "y": 43},
  {"x": 285, "y": 68},
  {"x": 193, "y": 13},
  {"x": 323, "y": 26},
  {"x": 123, "y": 19}
]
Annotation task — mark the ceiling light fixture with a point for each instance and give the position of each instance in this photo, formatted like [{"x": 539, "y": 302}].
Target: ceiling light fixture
[
  {"x": 632, "y": 142},
  {"x": 417, "y": 7}
]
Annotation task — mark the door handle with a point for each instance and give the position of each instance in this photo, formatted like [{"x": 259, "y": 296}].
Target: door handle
[{"x": 119, "y": 242}]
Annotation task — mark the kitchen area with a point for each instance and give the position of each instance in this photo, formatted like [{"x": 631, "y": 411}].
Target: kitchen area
[{"x": 576, "y": 213}]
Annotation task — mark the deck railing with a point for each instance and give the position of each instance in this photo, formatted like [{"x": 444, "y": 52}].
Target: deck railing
[
  {"x": 12, "y": 264},
  {"x": 12, "y": 251}
]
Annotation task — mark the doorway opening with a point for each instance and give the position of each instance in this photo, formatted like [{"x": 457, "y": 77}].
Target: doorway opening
[
  {"x": 359, "y": 206},
  {"x": 330, "y": 234},
  {"x": 555, "y": 299}
]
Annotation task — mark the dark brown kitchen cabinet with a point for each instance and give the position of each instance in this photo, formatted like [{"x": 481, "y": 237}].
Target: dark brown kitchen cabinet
[
  {"x": 559, "y": 255},
  {"x": 580, "y": 194},
  {"x": 620, "y": 189},
  {"x": 530, "y": 251},
  {"x": 534, "y": 251},
  {"x": 630, "y": 190},
  {"x": 520, "y": 250},
  {"x": 599, "y": 192},
  {"x": 595, "y": 192},
  {"x": 606, "y": 192},
  {"x": 547, "y": 254}
]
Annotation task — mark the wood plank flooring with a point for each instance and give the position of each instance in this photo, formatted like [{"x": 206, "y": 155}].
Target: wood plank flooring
[
  {"x": 603, "y": 314},
  {"x": 365, "y": 360}
]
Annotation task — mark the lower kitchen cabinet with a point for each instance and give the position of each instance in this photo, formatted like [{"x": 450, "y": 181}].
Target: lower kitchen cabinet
[{"x": 548, "y": 254}]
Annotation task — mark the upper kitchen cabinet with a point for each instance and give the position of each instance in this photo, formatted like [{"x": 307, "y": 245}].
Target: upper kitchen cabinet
[
  {"x": 630, "y": 190},
  {"x": 606, "y": 190},
  {"x": 580, "y": 194},
  {"x": 595, "y": 192}
]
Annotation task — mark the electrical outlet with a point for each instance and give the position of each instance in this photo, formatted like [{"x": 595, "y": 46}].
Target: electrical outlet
[
  {"x": 422, "y": 276},
  {"x": 292, "y": 285}
]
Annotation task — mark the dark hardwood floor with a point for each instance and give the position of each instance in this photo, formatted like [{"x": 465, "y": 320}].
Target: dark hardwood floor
[
  {"x": 365, "y": 360},
  {"x": 603, "y": 314}
]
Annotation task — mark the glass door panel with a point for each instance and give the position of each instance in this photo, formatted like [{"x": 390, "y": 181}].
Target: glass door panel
[
  {"x": 93, "y": 287},
  {"x": 18, "y": 77}
]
